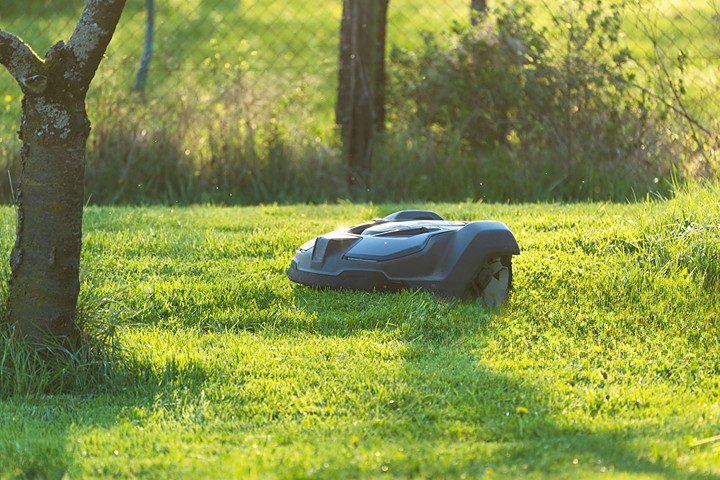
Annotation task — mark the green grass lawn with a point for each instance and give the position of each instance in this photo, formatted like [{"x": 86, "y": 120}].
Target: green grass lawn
[{"x": 604, "y": 362}]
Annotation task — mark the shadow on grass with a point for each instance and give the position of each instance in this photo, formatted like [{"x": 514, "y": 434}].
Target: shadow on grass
[
  {"x": 474, "y": 419},
  {"x": 442, "y": 412}
]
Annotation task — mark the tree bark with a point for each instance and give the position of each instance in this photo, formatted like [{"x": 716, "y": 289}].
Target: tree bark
[{"x": 45, "y": 259}]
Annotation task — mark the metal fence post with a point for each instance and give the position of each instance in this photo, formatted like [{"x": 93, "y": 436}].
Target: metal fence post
[{"x": 142, "y": 73}]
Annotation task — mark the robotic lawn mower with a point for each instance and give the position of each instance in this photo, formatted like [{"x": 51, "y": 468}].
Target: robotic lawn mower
[{"x": 413, "y": 249}]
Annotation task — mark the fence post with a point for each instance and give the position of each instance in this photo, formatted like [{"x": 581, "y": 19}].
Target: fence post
[
  {"x": 359, "y": 110},
  {"x": 380, "y": 42},
  {"x": 142, "y": 73},
  {"x": 477, "y": 9}
]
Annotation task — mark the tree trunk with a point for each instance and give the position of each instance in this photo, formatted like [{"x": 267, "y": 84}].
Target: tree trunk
[
  {"x": 477, "y": 9},
  {"x": 361, "y": 81},
  {"x": 45, "y": 259}
]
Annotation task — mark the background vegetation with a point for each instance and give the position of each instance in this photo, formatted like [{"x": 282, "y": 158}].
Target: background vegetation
[{"x": 563, "y": 100}]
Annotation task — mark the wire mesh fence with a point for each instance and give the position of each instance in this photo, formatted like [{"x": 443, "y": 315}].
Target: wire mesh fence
[
  {"x": 279, "y": 58},
  {"x": 273, "y": 43},
  {"x": 276, "y": 44}
]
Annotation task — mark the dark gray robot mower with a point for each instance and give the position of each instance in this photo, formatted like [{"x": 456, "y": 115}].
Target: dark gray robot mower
[{"x": 413, "y": 249}]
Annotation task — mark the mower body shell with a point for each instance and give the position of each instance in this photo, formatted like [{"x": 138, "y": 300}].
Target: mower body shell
[{"x": 406, "y": 250}]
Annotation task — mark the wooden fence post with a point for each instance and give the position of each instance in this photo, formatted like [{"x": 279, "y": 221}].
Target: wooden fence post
[
  {"x": 477, "y": 9},
  {"x": 361, "y": 84}
]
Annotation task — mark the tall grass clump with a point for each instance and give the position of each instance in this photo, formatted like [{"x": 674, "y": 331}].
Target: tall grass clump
[
  {"x": 526, "y": 112},
  {"x": 225, "y": 145},
  {"x": 685, "y": 240},
  {"x": 26, "y": 371},
  {"x": 95, "y": 363},
  {"x": 227, "y": 148}
]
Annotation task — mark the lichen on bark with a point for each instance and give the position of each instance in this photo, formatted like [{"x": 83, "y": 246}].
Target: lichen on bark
[{"x": 57, "y": 119}]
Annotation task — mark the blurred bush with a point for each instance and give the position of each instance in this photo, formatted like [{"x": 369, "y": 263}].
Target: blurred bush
[{"x": 569, "y": 105}]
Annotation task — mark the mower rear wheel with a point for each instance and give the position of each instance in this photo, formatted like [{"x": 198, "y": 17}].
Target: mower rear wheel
[{"x": 493, "y": 282}]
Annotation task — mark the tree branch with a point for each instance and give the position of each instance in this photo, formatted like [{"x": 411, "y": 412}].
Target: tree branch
[
  {"x": 679, "y": 106},
  {"x": 22, "y": 62},
  {"x": 90, "y": 40}
]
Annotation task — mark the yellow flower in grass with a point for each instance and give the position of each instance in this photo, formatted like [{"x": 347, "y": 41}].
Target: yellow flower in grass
[{"x": 521, "y": 410}]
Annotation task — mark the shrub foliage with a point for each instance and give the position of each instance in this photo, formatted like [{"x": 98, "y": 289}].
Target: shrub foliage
[{"x": 564, "y": 104}]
